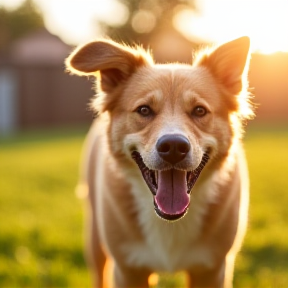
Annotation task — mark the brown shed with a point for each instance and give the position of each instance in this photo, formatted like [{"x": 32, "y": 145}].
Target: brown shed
[{"x": 35, "y": 89}]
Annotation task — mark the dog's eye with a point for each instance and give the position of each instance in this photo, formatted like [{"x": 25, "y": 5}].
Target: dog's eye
[
  {"x": 199, "y": 111},
  {"x": 144, "y": 111}
]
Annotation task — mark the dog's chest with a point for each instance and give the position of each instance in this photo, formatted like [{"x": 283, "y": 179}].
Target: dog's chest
[{"x": 169, "y": 246}]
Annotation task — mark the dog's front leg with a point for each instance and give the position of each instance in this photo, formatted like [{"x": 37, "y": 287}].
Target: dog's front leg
[
  {"x": 94, "y": 254},
  {"x": 127, "y": 277},
  {"x": 212, "y": 278}
]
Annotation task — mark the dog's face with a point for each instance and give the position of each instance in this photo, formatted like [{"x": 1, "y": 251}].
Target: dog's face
[{"x": 170, "y": 119}]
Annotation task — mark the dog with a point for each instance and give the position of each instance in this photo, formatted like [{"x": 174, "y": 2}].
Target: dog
[{"x": 163, "y": 164}]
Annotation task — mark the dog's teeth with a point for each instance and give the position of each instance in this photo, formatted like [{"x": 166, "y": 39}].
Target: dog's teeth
[{"x": 156, "y": 176}]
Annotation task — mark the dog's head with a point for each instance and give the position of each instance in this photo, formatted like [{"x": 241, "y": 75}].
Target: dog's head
[{"x": 172, "y": 118}]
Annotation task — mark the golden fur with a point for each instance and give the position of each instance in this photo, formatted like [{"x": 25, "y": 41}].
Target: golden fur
[{"x": 140, "y": 103}]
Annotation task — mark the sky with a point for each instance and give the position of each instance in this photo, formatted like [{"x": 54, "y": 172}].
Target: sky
[{"x": 265, "y": 21}]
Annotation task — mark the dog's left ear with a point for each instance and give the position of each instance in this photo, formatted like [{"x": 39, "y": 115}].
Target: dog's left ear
[
  {"x": 228, "y": 62},
  {"x": 115, "y": 62}
]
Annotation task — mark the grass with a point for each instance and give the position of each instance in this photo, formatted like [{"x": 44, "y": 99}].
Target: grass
[
  {"x": 41, "y": 219},
  {"x": 263, "y": 261}
]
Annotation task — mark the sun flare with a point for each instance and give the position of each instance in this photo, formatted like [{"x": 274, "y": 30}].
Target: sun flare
[{"x": 265, "y": 22}]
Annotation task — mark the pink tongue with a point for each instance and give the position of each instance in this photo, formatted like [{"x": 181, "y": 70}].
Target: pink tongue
[{"x": 172, "y": 197}]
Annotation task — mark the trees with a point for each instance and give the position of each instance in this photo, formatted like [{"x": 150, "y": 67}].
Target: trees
[
  {"x": 147, "y": 18},
  {"x": 150, "y": 24},
  {"x": 15, "y": 23}
]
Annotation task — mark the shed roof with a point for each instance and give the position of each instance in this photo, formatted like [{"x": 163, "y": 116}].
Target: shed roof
[{"x": 39, "y": 47}]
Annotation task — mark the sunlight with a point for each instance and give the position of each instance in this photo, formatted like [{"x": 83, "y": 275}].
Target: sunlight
[
  {"x": 79, "y": 26},
  {"x": 77, "y": 21},
  {"x": 264, "y": 21},
  {"x": 11, "y": 4}
]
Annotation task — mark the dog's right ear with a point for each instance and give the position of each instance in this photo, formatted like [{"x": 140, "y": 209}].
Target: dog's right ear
[{"x": 115, "y": 62}]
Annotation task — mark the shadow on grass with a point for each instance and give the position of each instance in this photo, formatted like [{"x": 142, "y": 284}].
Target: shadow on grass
[
  {"x": 8, "y": 245},
  {"x": 268, "y": 256},
  {"x": 265, "y": 267}
]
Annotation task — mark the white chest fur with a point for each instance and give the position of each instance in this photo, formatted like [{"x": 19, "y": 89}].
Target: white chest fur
[{"x": 170, "y": 246}]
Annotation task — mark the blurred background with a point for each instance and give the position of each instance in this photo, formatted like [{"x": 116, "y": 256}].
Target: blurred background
[{"x": 44, "y": 116}]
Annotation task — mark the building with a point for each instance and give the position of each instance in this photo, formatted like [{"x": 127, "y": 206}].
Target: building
[{"x": 35, "y": 91}]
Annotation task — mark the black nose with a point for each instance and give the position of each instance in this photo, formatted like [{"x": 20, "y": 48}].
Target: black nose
[{"x": 173, "y": 148}]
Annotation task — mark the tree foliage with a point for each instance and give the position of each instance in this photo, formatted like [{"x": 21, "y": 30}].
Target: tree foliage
[
  {"x": 18, "y": 22},
  {"x": 147, "y": 18}
]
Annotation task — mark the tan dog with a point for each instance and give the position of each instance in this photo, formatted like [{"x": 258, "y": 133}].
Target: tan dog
[{"x": 158, "y": 128}]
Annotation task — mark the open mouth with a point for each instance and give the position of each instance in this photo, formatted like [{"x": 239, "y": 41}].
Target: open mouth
[{"x": 171, "y": 188}]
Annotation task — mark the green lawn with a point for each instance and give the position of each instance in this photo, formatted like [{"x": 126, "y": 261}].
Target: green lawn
[{"x": 41, "y": 219}]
